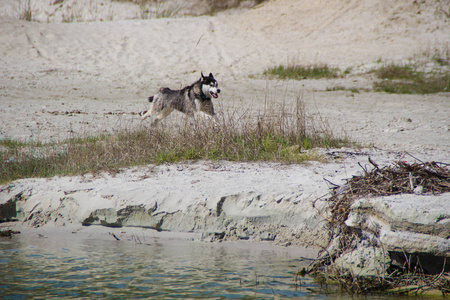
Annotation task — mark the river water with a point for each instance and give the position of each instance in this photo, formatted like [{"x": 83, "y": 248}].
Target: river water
[
  {"x": 42, "y": 267},
  {"x": 97, "y": 266}
]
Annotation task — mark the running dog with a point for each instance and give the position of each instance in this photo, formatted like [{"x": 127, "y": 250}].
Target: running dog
[{"x": 192, "y": 100}]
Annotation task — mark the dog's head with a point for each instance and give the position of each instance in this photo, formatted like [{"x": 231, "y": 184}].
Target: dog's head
[{"x": 210, "y": 86}]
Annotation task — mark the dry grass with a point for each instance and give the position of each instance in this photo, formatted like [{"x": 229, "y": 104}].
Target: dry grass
[
  {"x": 172, "y": 8},
  {"x": 83, "y": 11},
  {"x": 26, "y": 10},
  {"x": 439, "y": 54},
  {"x": 149, "y": 9},
  {"x": 280, "y": 134}
]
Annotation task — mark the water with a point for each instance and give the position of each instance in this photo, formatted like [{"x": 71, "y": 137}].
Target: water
[{"x": 86, "y": 268}]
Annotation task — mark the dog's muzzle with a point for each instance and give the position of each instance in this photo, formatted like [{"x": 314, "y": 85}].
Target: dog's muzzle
[{"x": 215, "y": 95}]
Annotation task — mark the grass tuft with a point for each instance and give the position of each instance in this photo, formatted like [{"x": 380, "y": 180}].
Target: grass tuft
[
  {"x": 157, "y": 9},
  {"x": 278, "y": 135},
  {"x": 396, "y": 71},
  {"x": 406, "y": 79},
  {"x": 26, "y": 12},
  {"x": 299, "y": 72}
]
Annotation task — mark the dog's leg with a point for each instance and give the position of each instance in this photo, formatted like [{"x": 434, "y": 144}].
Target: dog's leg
[
  {"x": 147, "y": 113},
  {"x": 208, "y": 117},
  {"x": 164, "y": 113}
]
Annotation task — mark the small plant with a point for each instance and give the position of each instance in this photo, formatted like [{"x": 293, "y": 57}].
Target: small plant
[{"x": 299, "y": 72}]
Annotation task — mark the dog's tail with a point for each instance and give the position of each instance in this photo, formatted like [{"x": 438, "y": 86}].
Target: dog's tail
[{"x": 150, "y": 99}]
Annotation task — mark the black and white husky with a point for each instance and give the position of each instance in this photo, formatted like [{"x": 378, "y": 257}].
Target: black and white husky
[{"x": 191, "y": 100}]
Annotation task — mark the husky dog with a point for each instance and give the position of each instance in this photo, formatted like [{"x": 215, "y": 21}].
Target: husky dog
[{"x": 192, "y": 99}]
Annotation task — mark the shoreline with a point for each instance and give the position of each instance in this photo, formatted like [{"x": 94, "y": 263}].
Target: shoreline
[{"x": 77, "y": 79}]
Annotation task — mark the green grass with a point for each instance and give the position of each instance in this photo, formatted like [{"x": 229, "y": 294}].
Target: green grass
[
  {"x": 299, "y": 72},
  {"x": 11, "y": 143},
  {"x": 406, "y": 79},
  {"x": 396, "y": 71},
  {"x": 418, "y": 86},
  {"x": 282, "y": 137}
]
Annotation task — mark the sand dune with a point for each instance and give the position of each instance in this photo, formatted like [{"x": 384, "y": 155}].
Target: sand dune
[{"x": 60, "y": 79}]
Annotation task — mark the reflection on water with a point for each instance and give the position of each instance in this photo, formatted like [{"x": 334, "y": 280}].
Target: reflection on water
[{"x": 48, "y": 268}]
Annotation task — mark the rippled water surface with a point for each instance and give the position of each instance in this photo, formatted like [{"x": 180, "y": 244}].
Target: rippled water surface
[{"x": 52, "y": 268}]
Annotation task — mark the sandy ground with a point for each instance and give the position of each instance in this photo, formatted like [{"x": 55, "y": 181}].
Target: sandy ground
[{"x": 59, "y": 80}]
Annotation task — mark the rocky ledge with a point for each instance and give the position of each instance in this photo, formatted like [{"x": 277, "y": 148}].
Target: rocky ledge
[
  {"x": 254, "y": 202},
  {"x": 393, "y": 232},
  {"x": 284, "y": 204}
]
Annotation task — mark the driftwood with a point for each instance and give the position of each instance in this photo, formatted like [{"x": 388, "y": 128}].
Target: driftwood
[{"x": 401, "y": 178}]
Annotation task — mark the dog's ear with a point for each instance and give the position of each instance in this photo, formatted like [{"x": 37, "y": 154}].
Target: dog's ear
[
  {"x": 202, "y": 75},
  {"x": 211, "y": 75}
]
